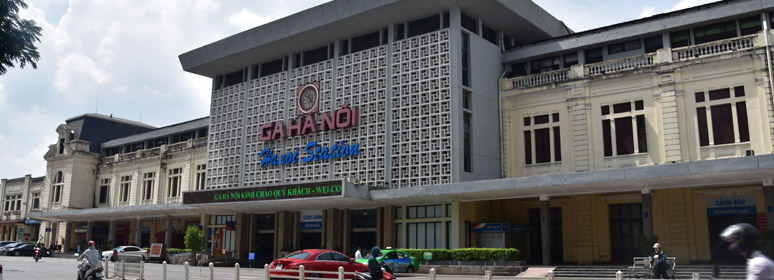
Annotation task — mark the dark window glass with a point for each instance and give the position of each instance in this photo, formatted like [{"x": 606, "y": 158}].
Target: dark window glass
[
  {"x": 638, "y": 105},
  {"x": 400, "y": 32},
  {"x": 264, "y": 221},
  {"x": 385, "y": 38},
  {"x": 363, "y": 218},
  {"x": 607, "y": 138},
  {"x": 652, "y": 44},
  {"x": 555, "y": 117},
  {"x": 622, "y": 107},
  {"x": 542, "y": 145},
  {"x": 527, "y": 147},
  {"x": 699, "y": 97},
  {"x": 465, "y": 59},
  {"x": 623, "y": 47},
  {"x": 467, "y": 99},
  {"x": 593, "y": 55},
  {"x": 680, "y": 38},
  {"x": 642, "y": 141},
  {"x": 722, "y": 124},
  {"x": 518, "y": 70},
  {"x": 541, "y": 119},
  {"x": 469, "y": 23},
  {"x": 701, "y": 118},
  {"x": 489, "y": 34},
  {"x": 750, "y": 25},
  {"x": 719, "y": 94},
  {"x": 714, "y": 32},
  {"x": 344, "y": 47},
  {"x": 739, "y": 91},
  {"x": 624, "y": 136},
  {"x": 234, "y": 78},
  {"x": 466, "y": 142},
  {"x": 605, "y": 110},
  {"x": 545, "y": 65},
  {"x": 315, "y": 56},
  {"x": 741, "y": 118},
  {"x": 570, "y": 59},
  {"x": 103, "y": 194},
  {"x": 425, "y": 25},
  {"x": 527, "y": 121},
  {"x": 365, "y": 42},
  {"x": 445, "y": 19},
  {"x": 557, "y": 145}
]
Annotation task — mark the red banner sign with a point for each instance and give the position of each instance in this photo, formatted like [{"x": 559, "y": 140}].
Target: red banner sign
[{"x": 763, "y": 222}]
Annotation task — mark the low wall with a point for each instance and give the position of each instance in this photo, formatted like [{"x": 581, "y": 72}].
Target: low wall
[{"x": 473, "y": 267}]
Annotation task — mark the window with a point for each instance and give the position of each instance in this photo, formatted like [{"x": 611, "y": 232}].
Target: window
[
  {"x": 174, "y": 180},
  {"x": 104, "y": 190},
  {"x": 544, "y": 132},
  {"x": 714, "y": 32},
  {"x": 200, "y": 176},
  {"x": 315, "y": 56},
  {"x": 57, "y": 188},
  {"x": 680, "y": 38},
  {"x": 400, "y": 32},
  {"x": 469, "y": 23},
  {"x": 724, "y": 111},
  {"x": 489, "y": 34},
  {"x": 623, "y": 47},
  {"x": 624, "y": 129},
  {"x": 365, "y": 42},
  {"x": 467, "y": 120},
  {"x": 593, "y": 55},
  {"x": 750, "y": 25},
  {"x": 545, "y": 65},
  {"x": 425, "y": 235},
  {"x": 148, "y": 179},
  {"x": 425, "y": 25},
  {"x": 125, "y": 188},
  {"x": 652, "y": 44},
  {"x": 465, "y": 59},
  {"x": 425, "y": 211},
  {"x": 234, "y": 78},
  {"x": 570, "y": 59},
  {"x": 273, "y": 67},
  {"x": 35, "y": 200}
]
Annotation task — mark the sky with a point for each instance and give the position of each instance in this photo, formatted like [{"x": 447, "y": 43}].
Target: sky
[{"x": 120, "y": 58}]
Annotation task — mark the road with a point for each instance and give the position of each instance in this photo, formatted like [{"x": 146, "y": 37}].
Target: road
[{"x": 64, "y": 268}]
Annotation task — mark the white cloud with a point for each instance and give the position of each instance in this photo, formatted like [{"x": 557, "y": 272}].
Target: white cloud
[
  {"x": 78, "y": 68},
  {"x": 245, "y": 19},
  {"x": 646, "y": 12},
  {"x": 684, "y": 4}
]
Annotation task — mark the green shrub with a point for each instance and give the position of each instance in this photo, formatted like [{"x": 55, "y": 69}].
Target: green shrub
[
  {"x": 174, "y": 251},
  {"x": 467, "y": 254}
]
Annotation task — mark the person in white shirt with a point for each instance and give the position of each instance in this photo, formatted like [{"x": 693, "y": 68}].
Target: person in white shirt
[
  {"x": 359, "y": 253},
  {"x": 743, "y": 239}
]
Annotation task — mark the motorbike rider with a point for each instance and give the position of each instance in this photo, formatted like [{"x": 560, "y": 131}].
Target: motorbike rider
[
  {"x": 743, "y": 240},
  {"x": 373, "y": 265},
  {"x": 92, "y": 258}
]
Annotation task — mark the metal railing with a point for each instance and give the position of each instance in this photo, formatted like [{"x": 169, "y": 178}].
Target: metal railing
[
  {"x": 126, "y": 266},
  {"x": 713, "y": 48}
]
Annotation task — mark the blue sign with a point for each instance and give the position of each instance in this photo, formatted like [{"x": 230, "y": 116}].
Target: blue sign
[
  {"x": 251, "y": 256},
  {"x": 311, "y": 225},
  {"x": 732, "y": 205},
  {"x": 730, "y": 211},
  {"x": 771, "y": 209},
  {"x": 520, "y": 227}
]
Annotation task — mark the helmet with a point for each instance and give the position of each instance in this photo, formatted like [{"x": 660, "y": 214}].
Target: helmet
[
  {"x": 91, "y": 243},
  {"x": 656, "y": 246},
  {"x": 745, "y": 234}
]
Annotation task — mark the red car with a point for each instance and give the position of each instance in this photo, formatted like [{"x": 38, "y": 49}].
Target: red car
[{"x": 315, "y": 260}]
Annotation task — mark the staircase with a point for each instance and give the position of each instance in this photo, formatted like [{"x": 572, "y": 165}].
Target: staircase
[{"x": 681, "y": 271}]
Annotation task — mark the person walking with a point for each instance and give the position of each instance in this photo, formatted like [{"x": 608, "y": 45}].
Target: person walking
[
  {"x": 359, "y": 253},
  {"x": 658, "y": 261},
  {"x": 743, "y": 240}
]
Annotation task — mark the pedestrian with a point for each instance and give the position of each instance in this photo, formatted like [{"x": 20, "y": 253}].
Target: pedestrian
[
  {"x": 373, "y": 265},
  {"x": 359, "y": 253},
  {"x": 658, "y": 261},
  {"x": 743, "y": 239}
]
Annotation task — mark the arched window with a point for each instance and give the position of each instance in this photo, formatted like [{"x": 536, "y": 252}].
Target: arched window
[{"x": 57, "y": 187}]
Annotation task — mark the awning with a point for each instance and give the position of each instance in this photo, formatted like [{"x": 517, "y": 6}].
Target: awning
[{"x": 11, "y": 221}]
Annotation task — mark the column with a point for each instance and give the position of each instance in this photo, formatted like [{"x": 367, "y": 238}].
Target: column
[
  {"x": 240, "y": 236},
  {"x": 346, "y": 225},
  {"x": 138, "y": 233},
  {"x": 88, "y": 230},
  {"x": 333, "y": 229},
  {"x": 768, "y": 199},
  {"x": 380, "y": 227},
  {"x": 112, "y": 234},
  {"x": 647, "y": 214},
  {"x": 205, "y": 222},
  {"x": 168, "y": 232},
  {"x": 388, "y": 231},
  {"x": 66, "y": 245},
  {"x": 545, "y": 228}
]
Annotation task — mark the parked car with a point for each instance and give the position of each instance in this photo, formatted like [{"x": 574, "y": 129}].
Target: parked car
[
  {"x": 315, "y": 260},
  {"x": 25, "y": 249},
  {"x": 125, "y": 250},
  {"x": 8, "y": 247},
  {"x": 398, "y": 260}
]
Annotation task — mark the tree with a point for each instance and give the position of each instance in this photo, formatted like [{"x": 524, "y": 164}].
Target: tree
[
  {"x": 17, "y": 37},
  {"x": 195, "y": 240}
]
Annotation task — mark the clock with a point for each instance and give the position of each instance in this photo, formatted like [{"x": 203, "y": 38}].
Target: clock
[{"x": 308, "y": 99}]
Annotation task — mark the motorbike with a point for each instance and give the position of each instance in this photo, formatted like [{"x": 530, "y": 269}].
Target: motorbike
[
  {"x": 387, "y": 275},
  {"x": 37, "y": 254},
  {"x": 92, "y": 272}
]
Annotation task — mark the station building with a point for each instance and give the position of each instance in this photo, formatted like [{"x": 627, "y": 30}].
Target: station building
[{"x": 452, "y": 124}]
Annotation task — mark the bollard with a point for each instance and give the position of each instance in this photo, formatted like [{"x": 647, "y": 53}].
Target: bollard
[
  {"x": 164, "y": 270},
  {"x": 236, "y": 273},
  {"x": 550, "y": 275},
  {"x": 301, "y": 272},
  {"x": 186, "y": 270},
  {"x": 696, "y": 276},
  {"x": 619, "y": 275},
  {"x": 266, "y": 271},
  {"x": 212, "y": 271},
  {"x": 123, "y": 270},
  {"x": 488, "y": 275},
  {"x": 106, "y": 267},
  {"x": 432, "y": 274},
  {"x": 142, "y": 270},
  {"x": 341, "y": 273}
]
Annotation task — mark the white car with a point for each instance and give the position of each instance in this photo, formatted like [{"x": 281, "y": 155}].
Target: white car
[{"x": 125, "y": 251}]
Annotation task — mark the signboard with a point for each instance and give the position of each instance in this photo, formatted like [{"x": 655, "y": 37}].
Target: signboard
[
  {"x": 311, "y": 220},
  {"x": 223, "y": 251},
  {"x": 763, "y": 222},
  {"x": 520, "y": 227},
  {"x": 20, "y": 234},
  {"x": 251, "y": 256},
  {"x": 428, "y": 255},
  {"x": 80, "y": 229},
  {"x": 731, "y": 205},
  {"x": 491, "y": 227},
  {"x": 156, "y": 250},
  {"x": 307, "y": 190},
  {"x": 48, "y": 229}
]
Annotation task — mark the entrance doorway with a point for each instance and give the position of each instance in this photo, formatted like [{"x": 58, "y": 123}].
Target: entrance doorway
[
  {"x": 625, "y": 228},
  {"x": 311, "y": 240},
  {"x": 264, "y": 248},
  {"x": 536, "y": 240}
]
